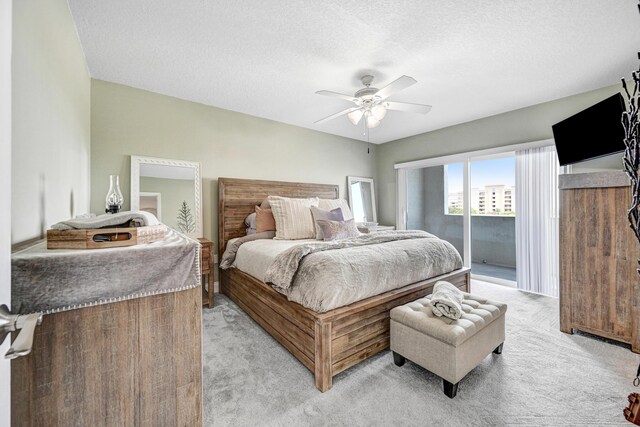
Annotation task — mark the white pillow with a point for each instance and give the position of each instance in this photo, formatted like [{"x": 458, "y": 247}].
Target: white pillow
[
  {"x": 331, "y": 204},
  {"x": 293, "y": 217}
]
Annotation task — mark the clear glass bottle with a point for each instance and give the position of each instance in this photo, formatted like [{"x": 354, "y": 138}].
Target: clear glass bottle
[{"x": 114, "y": 196}]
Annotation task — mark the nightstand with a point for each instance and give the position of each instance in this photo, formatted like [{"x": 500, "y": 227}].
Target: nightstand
[
  {"x": 375, "y": 228},
  {"x": 206, "y": 269}
]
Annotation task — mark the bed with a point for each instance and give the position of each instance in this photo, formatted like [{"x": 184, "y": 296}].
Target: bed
[{"x": 326, "y": 343}]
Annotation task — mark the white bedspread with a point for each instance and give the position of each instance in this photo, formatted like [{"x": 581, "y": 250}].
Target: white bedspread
[{"x": 255, "y": 257}]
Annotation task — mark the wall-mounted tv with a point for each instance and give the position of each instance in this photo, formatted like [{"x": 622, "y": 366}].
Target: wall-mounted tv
[{"x": 594, "y": 132}]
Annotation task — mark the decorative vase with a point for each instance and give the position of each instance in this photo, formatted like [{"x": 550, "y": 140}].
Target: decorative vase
[{"x": 114, "y": 196}]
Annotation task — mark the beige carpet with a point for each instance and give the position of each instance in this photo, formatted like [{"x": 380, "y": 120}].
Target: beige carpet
[{"x": 543, "y": 377}]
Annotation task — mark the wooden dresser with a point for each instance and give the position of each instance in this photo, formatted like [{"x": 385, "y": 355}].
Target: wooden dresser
[
  {"x": 136, "y": 362},
  {"x": 130, "y": 359},
  {"x": 599, "y": 285}
]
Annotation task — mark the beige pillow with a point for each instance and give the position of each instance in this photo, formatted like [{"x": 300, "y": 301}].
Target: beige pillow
[
  {"x": 331, "y": 204},
  {"x": 264, "y": 220},
  {"x": 293, "y": 217}
]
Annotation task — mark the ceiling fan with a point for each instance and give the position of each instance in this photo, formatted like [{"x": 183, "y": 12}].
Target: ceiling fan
[{"x": 371, "y": 103}]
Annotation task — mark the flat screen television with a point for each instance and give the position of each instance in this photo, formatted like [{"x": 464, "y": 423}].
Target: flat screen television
[{"x": 594, "y": 132}]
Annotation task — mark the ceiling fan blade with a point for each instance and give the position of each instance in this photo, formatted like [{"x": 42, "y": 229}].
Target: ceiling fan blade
[
  {"x": 341, "y": 113},
  {"x": 336, "y": 95},
  {"x": 397, "y": 85},
  {"x": 409, "y": 107}
]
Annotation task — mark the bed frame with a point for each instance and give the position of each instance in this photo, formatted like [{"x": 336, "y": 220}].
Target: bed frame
[{"x": 326, "y": 343}]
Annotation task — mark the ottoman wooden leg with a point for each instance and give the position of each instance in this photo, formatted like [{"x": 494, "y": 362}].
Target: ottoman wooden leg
[
  {"x": 498, "y": 349},
  {"x": 450, "y": 389},
  {"x": 398, "y": 359}
]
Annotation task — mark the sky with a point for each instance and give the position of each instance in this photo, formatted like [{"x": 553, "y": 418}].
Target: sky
[{"x": 484, "y": 172}]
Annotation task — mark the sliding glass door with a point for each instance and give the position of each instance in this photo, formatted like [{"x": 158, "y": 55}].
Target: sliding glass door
[
  {"x": 493, "y": 217},
  {"x": 470, "y": 203},
  {"x": 498, "y": 207}
]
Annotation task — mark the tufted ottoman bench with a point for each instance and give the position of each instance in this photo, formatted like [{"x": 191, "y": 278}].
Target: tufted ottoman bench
[{"x": 448, "y": 348}]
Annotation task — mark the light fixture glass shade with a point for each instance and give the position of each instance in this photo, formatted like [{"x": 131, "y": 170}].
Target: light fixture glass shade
[
  {"x": 372, "y": 121},
  {"x": 114, "y": 197},
  {"x": 379, "y": 111},
  {"x": 355, "y": 116}
]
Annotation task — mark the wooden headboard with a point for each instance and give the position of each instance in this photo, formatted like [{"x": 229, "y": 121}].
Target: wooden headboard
[{"x": 237, "y": 198}]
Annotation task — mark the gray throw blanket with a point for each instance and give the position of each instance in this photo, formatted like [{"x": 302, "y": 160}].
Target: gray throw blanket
[
  {"x": 326, "y": 275},
  {"x": 52, "y": 280},
  {"x": 140, "y": 218},
  {"x": 446, "y": 300},
  {"x": 283, "y": 270}
]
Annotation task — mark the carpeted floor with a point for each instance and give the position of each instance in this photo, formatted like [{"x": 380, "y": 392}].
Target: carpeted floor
[{"x": 543, "y": 377}]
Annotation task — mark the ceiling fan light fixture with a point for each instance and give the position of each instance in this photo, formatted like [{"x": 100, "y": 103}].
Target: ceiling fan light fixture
[
  {"x": 355, "y": 116},
  {"x": 372, "y": 122},
  {"x": 379, "y": 111},
  {"x": 371, "y": 103}
]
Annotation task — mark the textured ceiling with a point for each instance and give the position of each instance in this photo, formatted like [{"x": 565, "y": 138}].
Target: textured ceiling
[{"x": 266, "y": 58}]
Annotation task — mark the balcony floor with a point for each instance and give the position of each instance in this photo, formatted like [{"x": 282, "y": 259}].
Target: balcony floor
[{"x": 499, "y": 272}]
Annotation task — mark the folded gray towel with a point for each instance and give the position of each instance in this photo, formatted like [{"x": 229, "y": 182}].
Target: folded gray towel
[
  {"x": 142, "y": 218},
  {"x": 446, "y": 300}
]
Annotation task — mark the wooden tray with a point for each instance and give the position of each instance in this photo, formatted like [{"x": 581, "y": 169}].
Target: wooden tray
[{"x": 104, "y": 237}]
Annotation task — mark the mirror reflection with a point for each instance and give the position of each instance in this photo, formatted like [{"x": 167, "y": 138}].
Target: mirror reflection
[
  {"x": 170, "y": 190},
  {"x": 362, "y": 199}
]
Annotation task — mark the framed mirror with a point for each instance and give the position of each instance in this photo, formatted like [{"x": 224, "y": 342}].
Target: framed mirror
[
  {"x": 171, "y": 190},
  {"x": 362, "y": 199}
]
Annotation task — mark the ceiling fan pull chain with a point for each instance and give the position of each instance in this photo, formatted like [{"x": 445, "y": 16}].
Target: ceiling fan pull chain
[{"x": 368, "y": 142}]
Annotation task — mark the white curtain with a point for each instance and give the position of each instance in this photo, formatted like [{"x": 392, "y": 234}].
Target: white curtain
[{"x": 537, "y": 220}]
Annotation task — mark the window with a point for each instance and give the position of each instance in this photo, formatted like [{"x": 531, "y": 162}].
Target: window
[
  {"x": 495, "y": 177},
  {"x": 492, "y": 187}
]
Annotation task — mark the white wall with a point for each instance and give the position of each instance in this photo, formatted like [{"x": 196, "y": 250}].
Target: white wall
[
  {"x": 51, "y": 118},
  {"x": 5, "y": 194}
]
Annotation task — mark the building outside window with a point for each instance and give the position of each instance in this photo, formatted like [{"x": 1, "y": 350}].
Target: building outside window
[{"x": 493, "y": 187}]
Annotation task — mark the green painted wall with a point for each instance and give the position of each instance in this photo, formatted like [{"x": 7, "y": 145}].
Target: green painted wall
[
  {"x": 50, "y": 119},
  {"x": 524, "y": 125},
  {"x": 128, "y": 121}
]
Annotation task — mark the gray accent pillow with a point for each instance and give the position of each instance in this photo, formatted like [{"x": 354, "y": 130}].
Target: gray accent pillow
[
  {"x": 250, "y": 222},
  {"x": 332, "y": 215},
  {"x": 230, "y": 251},
  {"x": 338, "y": 230}
]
